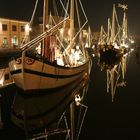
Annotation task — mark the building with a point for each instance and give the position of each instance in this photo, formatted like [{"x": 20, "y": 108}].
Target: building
[{"x": 13, "y": 32}]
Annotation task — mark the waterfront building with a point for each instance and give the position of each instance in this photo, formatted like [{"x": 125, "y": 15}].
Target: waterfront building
[{"x": 12, "y": 32}]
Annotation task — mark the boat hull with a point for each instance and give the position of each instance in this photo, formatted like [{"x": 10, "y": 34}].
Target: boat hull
[
  {"x": 44, "y": 90},
  {"x": 44, "y": 75},
  {"x": 108, "y": 57}
]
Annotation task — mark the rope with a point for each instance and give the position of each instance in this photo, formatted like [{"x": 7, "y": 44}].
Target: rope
[
  {"x": 42, "y": 36},
  {"x": 33, "y": 15},
  {"x": 31, "y": 21}
]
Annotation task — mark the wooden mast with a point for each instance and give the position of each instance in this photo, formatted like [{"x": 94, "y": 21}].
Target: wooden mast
[
  {"x": 71, "y": 23},
  {"x": 124, "y": 24},
  {"x": 113, "y": 25},
  {"x": 45, "y": 21},
  {"x": 45, "y": 15}
]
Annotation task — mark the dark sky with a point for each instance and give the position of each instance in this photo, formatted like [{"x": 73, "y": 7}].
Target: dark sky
[{"x": 97, "y": 11}]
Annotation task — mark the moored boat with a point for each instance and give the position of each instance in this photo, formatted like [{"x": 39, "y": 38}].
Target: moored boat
[{"x": 47, "y": 64}]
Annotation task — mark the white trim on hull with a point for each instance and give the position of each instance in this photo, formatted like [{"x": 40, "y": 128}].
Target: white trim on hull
[{"x": 43, "y": 75}]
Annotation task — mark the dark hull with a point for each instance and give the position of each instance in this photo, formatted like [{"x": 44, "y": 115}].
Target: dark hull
[{"x": 109, "y": 57}]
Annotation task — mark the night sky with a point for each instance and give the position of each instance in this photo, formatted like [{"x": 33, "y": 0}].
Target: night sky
[{"x": 97, "y": 11}]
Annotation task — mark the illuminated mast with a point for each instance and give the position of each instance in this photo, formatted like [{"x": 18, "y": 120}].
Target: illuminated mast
[{"x": 124, "y": 24}]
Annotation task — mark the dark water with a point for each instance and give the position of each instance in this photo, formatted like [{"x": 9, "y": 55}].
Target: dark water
[{"x": 119, "y": 120}]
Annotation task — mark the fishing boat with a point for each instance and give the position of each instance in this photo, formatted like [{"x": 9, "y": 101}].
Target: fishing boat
[
  {"x": 113, "y": 44},
  {"x": 49, "y": 63},
  {"x": 113, "y": 49}
]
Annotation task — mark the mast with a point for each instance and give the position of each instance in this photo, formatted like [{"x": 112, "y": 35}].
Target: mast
[
  {"x": 71, "y": 23},
  {"x": 45, "y": 14},
  {"x": 108, "y": 31},
  {"x": 124, "y": 24},
  {"x": 103, "y": 36},
  {"x": 45, "y": 19},
  {"x": 113, "y": 25},
  {"x": 89, "y": 37}
]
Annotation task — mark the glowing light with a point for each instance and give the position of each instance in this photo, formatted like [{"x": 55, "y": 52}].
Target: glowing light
[
  {"x": 116, "y": 46},
  {"x": 93, "y": 46},
  {"x": 60, "y": 61},
  {"x": 1, "y": 81},
  {"x": 126, "y": 46},
  {"x": 27, "y": 28},
  {"x": 47, "y": 26},
  {"x": 77, "y": 99},
  {"x": 132, "y": 41},
  {"x": 86, "y": 45},
  {"x": 38, "y": 49},
  {"x": 61, "y": 31}
]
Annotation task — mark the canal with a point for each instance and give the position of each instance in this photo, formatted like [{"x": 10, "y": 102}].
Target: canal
[{"x": 105, "y": 119}]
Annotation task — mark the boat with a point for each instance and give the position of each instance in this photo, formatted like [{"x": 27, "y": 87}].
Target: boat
[
  {"x": 48, "y": 63},
  {"x": 113, "y": 44},
  {"x": 113, "y": 49}
]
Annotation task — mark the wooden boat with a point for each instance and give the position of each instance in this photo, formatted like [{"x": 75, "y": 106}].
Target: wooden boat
[
  {"x": 44, "y": 71},
  {"x": 113, "y": 44},
  {"x": 33, "y": 73}
]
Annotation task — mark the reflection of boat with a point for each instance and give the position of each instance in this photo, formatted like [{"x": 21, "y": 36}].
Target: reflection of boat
[
  {"x": 45, "y": 72},
  {"x": 38, "y": 111}
]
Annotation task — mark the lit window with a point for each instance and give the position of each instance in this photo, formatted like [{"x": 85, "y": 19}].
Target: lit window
[
  {"x": 5, "y": 42},
  {"x": 14, "y": 41},
  {"x": 4, "y": 27}
]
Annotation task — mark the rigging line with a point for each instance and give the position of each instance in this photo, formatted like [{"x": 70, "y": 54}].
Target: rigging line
[
  {"x": 42, "y": 36},
  {"x": 77, "y": 10},
  {"x": 86, "y": 107},
  {"x": 86, "y": 20},
  {"x": 80, "y": 110},
  {"x": 31, "y": 21},
  {"x": 28, "y": 45},
  {"x": 117, "y": 79},
  {"x": 33, "y": 15},
  {"x": 116, "y": 18},
  {"x": 65, "y": 51},
  {"x": 55, "y": 8},
  {"x": 65, "y": 9}
]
